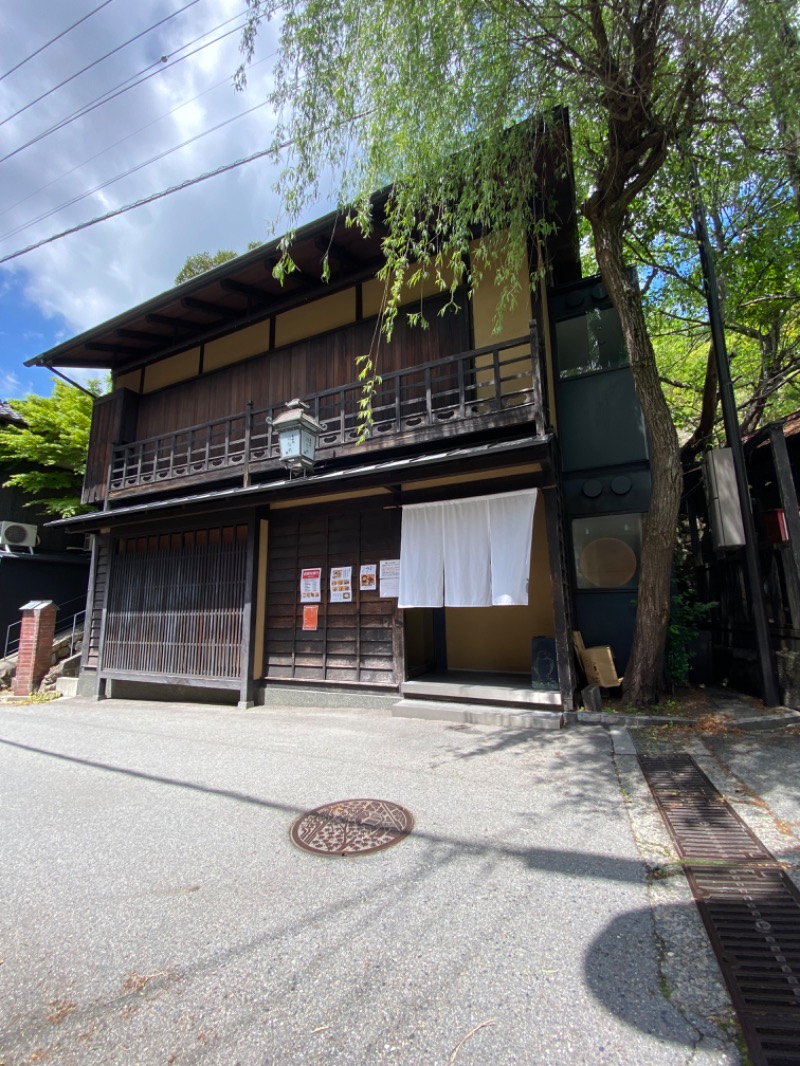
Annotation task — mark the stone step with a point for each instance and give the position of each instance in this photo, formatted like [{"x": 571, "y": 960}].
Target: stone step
[
  {"x": 466, "y": 690},
  {"x": 472, "y": 714}
]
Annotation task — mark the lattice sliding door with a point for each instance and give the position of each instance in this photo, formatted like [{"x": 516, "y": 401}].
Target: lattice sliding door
[{"x": 175, "y": 606}]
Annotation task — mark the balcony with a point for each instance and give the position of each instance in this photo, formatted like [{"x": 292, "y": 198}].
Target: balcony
[{"x": 482, "y": 389}]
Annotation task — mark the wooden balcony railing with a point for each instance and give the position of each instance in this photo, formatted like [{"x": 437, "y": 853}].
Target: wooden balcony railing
[{"x": 496, "y": 385}]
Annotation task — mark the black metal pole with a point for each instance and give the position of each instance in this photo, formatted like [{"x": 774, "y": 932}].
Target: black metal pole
[{"x": 766, "y": 652}]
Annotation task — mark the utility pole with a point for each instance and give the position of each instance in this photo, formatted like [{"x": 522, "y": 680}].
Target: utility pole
[{"x": 755, "y": 587}]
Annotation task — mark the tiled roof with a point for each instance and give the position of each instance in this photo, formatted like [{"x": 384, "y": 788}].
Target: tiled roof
[{"x": 9, "y": 415}]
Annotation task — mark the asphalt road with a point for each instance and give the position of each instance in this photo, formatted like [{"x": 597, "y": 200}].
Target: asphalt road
[{"x": 153, "y": 909}]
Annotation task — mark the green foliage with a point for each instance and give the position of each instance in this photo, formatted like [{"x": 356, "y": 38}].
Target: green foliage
[
  {"x": 427, "y": 100},
  {"x": 686, "y": 615},
  {"x": 747, "y": 161},
  {"x": 202, "y": 261},
  {"x": 48, "y": 454}
]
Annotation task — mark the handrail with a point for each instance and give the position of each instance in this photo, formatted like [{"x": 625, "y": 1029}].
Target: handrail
[
  {"x": 12, "y": 644},
  {"x": 9, "y": 641},
  {"x": 455, "y": 389}
]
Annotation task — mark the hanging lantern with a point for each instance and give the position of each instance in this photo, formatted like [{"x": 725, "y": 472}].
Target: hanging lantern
[{"x": 297, "y": 436}]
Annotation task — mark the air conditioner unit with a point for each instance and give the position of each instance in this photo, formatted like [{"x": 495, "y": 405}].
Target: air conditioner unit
[{"x": 17, "y": 535}]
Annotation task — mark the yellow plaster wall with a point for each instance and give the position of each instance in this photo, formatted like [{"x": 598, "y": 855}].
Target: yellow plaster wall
[
  {"x": 499, "y": 638},
  {"x": 372, "y": 298},
  {"x": 128, "y": 381},
  {"x": 236, "y": 346},
  {"x": 261, "y": 599},
  {"x": 330, "y": 312},
  {"x": 169, "y": 371},
  {"x": 372, "y": 292},
  {"x": 516, "y": 323},
  {"x": 516, "y": 320}
]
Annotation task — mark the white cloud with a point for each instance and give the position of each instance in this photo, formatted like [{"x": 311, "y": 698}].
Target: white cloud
[
  {"x": 9, "y": 384},
  {"x": 103, "y": 270}
]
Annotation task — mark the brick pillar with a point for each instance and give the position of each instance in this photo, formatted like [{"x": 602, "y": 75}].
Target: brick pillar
[{"x": 35, "y": 645}]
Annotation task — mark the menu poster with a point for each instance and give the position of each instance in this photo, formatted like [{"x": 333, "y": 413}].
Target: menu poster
[
  {"x": 390, "y": 578},
  {"x": 311, "y": 616},
  {"x": 311, "y": 585},
  {"x": 369, "y": 577},
  {"x": 341, "y": 584}
]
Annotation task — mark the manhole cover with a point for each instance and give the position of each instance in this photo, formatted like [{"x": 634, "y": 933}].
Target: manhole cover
[{"x": 352, "y": 827}]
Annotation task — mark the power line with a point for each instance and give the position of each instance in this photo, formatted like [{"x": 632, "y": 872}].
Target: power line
[
  {"x": 132, "y": 170},
  {"x": 168, "y": 192},
  {"x": 53, "y": 40},
  {"x": 127, "y": 137},
  {"x": 113, "y": 51},
  {"x": 145, "y": 200},
  {"x": 123, "y": 87}
]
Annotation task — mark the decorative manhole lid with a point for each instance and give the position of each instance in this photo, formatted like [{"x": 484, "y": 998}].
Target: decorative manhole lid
[{"x": 352, "y": 827}]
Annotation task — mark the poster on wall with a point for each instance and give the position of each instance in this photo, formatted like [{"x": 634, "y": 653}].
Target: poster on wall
[
  {"x": 390, "y": 578},
  {"x": 311, "y": 585},
  {"x": 341, "y": 584},
  {"x": 311, "y": 617},
  {"x": 369, "y": 577}
]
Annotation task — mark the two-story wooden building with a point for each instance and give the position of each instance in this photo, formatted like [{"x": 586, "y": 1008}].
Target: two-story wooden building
[{"x": 500, "y": 490}]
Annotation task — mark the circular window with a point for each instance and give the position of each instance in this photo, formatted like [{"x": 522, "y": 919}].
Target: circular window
[{"x": 608, "y": 563}]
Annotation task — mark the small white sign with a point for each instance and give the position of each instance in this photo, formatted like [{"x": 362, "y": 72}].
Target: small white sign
[
  {"x": 369, "y": 577},
  {"x": 390, "y": 578},
  {"x": 311, "y": 585},
  {"x": 341, "y": 584}
]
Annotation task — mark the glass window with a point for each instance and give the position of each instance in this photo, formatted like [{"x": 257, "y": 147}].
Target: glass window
[
  {"x": 590, "y": 343},
  {"x": 607, "y": 549}
]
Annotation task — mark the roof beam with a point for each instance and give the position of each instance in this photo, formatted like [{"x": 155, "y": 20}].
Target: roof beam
[
  {"x": 175, "y": 324},
  {"x": 191, "y": 303},
  {"x": 140, "y": 335},
  {"x": 346, "y": 259},
  {"x": 295, "y": 276},
  {"x": 252, "y": 292},
  {"x": 116, "y": 349}
]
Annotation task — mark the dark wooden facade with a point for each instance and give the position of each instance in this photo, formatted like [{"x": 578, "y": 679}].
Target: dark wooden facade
[
  {"x": 202, "y": 536},
  {"x": 727, "y": 649},
  {"x": 353, "y": 642}
]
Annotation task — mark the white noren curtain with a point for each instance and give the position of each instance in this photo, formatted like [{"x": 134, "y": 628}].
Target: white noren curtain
[{"x": 467, "y": 553}]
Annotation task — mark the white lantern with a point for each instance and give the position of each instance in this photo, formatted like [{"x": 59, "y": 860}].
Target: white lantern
[{"x": 297, "y": 436}]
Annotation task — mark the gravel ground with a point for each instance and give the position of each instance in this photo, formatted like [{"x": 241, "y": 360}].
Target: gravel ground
[{"x": 155, "y": 911}]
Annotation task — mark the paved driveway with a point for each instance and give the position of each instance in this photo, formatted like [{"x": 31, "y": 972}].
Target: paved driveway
[{"x": 153, "y": 909}]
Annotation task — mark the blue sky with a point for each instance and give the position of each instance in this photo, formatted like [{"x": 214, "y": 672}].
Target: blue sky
[
  {"x": 24, "y": 332},
  {"x": 77, "y": 282}
]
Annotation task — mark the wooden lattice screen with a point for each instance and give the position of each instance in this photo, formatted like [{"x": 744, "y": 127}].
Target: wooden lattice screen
[{"x": 175, "y": 606}]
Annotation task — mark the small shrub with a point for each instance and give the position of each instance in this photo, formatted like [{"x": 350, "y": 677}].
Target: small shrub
[{"x": 686, "y": 615}]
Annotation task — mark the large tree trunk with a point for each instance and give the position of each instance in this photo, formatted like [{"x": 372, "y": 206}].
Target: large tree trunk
[{"x": 644, "y": 672}]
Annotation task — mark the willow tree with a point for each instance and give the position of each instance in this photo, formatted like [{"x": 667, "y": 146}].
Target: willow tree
[{"x": 420, "y": 97}]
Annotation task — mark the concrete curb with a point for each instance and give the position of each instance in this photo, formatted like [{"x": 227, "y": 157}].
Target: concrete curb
[
  {"x": 769, "y": 721},
  {"x": 609, "y": 720}
]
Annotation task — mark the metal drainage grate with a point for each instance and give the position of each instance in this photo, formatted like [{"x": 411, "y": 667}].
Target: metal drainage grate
[
  {"x": 750, "y": 908},
  {"x": 352, "y": 827}
]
